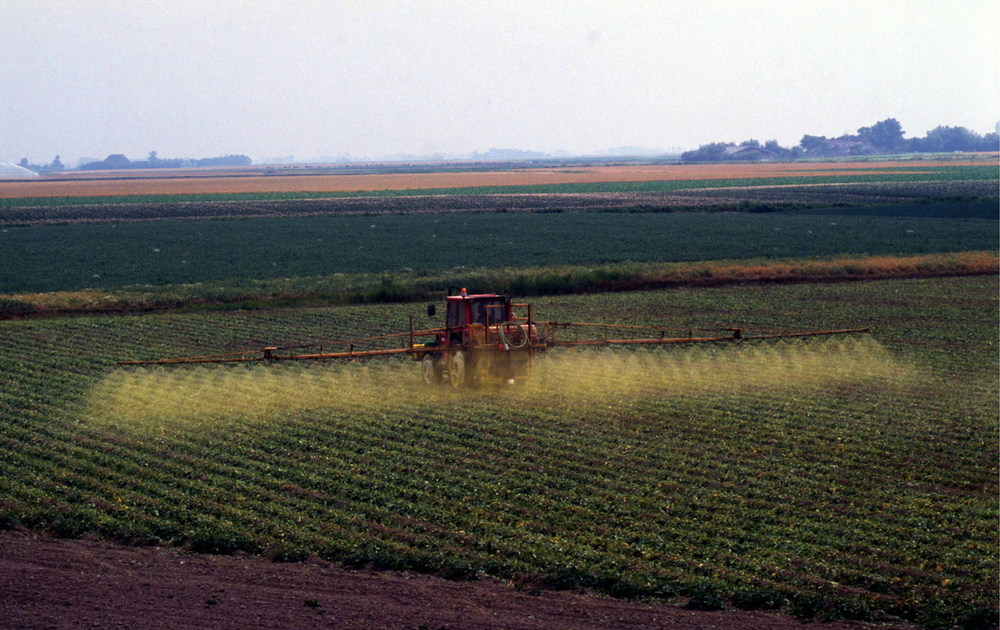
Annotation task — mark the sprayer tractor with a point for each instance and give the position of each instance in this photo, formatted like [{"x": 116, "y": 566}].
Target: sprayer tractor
[
  {"x": 483, "y": 341},
  {"x": 487, "y": 338}
]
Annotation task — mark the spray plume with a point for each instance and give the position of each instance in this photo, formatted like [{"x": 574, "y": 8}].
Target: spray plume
[{"x": 164, "y": 400}]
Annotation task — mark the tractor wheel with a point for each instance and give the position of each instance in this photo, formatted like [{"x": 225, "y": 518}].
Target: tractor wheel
[
  {"x": 458, "y": 371},
  {"x": 430, "y": 366}
]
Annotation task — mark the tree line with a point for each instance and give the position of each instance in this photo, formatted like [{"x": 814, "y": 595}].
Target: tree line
[
  {"x": 120, "y": 162},
  {"x": 883, "y": 137}
]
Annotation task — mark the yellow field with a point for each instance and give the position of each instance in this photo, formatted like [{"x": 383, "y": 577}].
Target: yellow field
[{"x": 254, "y": 179}]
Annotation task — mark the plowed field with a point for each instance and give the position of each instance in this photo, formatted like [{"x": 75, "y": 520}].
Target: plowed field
[{"x": 47, "y": 583}]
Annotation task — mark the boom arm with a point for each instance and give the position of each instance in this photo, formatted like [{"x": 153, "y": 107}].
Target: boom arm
[
  {"x": 274, "y": 354},
  {"x": 736, "y": 336}
]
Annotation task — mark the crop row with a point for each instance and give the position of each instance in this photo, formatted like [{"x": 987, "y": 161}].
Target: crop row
[{"x": 842, "y": 477}]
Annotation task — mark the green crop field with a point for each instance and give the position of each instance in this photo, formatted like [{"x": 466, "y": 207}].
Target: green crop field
[
  {"x": 837, "y": 478},
  {"x": 107, "y": 255},
  {"x": 846, "y": 478}
]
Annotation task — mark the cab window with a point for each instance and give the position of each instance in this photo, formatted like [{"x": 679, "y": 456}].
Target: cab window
[
  {"x": 488, "y": 309},
  {"x": 455, "y": 314}
]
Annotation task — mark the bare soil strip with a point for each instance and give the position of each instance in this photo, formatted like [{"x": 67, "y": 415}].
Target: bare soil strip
[{"x": 49, "y": 583}]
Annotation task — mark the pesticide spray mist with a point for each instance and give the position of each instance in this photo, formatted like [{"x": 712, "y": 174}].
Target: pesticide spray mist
[
  {"x": 168, "y": 399},
  {"x": 600, "y": 376}
]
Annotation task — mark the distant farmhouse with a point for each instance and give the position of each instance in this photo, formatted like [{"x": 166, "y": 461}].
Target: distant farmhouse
[
  {"x": 883, "y": 138},
  {"x": 727, "y": 151},
  {"x": 856, "y": 145},
  {"x": 746, "y": 152},
  {"x": 116, "y": 162}
]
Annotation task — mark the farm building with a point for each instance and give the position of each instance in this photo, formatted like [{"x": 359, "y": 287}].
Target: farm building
[
  {"x": 853, "y": 146},
  {"x": 748, "y": 153}
]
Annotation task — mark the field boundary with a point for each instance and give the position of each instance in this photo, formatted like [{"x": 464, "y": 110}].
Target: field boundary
[{"x": 403, "y": 287}]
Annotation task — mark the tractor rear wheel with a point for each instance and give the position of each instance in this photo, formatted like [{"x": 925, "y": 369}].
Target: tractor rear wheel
[
  {"x": 430, "y": 367},
  {"x": 458, "y": 369}
]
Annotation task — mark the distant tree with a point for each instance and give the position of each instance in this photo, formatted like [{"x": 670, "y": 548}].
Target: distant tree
[
  {"x": 884, "y": 135},
  {"x": 944, "y": 138},
  {"x": 706, "y": 153},
  {"x": 912, "y": 145},
  {"x": 990, "y": 142},
  {"x": 812, "y": 143},
  {"x": 774, "y": 147},
  {"x": 24, "y": 163},
  {"x": 56, "y": 165}
]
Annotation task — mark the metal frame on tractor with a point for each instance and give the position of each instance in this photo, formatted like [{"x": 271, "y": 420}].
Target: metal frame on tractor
[
  {"x": 484, "y": 341},
  {"x": 486, "y": 338}
]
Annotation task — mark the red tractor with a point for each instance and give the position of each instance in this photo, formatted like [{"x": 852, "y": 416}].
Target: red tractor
[{"x": 483, "y": 341}]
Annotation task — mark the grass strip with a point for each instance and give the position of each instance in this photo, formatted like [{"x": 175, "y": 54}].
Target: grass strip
[{"x": 408, "y": 286}]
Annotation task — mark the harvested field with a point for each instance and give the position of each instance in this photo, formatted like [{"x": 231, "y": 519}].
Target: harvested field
[{"x": 254, "y": 180}]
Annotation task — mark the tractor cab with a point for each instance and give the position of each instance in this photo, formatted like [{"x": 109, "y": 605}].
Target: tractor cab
[
  {"x": 486, "y": 310},
  {"x": 470, "y": 318},
  {"x": 483, "y": 340}
]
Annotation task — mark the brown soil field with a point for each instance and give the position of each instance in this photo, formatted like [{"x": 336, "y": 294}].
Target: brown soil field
[
  {"x": 49, "y": 583},
  {"x": 254, "y": 179}
]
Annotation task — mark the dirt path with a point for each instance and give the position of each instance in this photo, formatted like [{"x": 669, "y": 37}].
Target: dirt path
[{"x": 49, "y": 583}]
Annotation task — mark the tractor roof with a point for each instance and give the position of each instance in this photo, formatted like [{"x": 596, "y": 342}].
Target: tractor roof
[{"x": 478, "y": 296}]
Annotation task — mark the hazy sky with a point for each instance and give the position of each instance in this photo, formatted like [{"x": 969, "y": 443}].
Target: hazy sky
[{"x": 201, "y": 78}]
